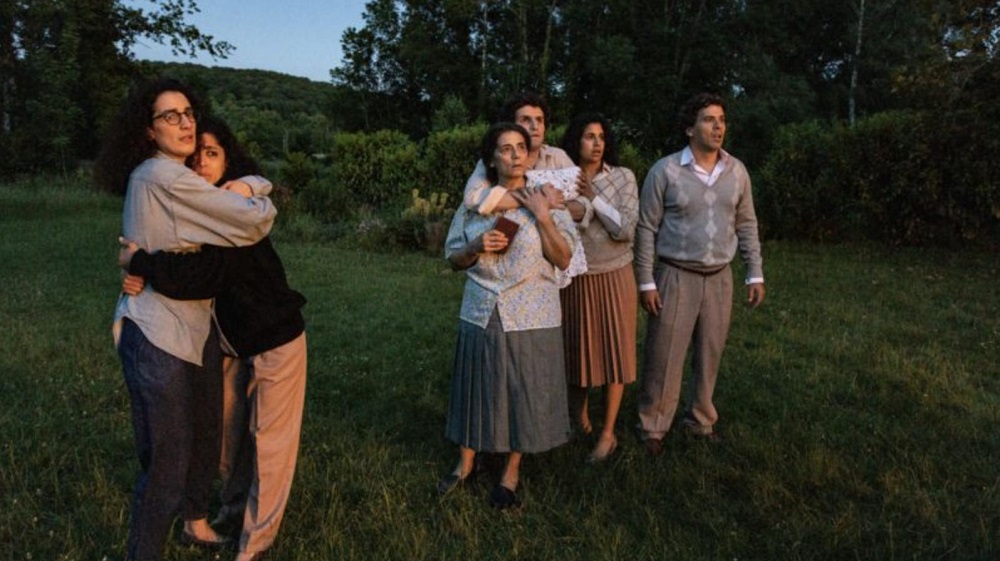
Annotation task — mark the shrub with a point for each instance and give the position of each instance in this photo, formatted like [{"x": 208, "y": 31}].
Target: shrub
[
  {"x": 630, "y": 157},
  {"x": 371, "y": 232},
  {"x": 424, "y": 224},
  {"x": 448, "y": 159},
  {"x": 900, "y": 177},
  {"x": 451, "y": 114},
  {"x": 376, "y": 169},
  {"x": 327, "y": 199},
  {"x": 297, "y": 170},
  {"x": 791, "y": 196}
]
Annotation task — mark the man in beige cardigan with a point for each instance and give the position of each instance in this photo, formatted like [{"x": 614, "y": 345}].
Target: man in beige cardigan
[{"x": 695, "y": 211}]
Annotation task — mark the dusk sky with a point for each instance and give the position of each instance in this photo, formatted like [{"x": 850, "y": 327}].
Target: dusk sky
[{"x": 297, "y": 37}]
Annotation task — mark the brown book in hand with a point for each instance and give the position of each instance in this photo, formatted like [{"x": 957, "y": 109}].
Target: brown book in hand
[{"x": 509, "y": 229}]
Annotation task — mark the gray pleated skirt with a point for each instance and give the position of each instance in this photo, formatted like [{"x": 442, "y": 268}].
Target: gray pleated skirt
[{"x": 508, "y": 389}]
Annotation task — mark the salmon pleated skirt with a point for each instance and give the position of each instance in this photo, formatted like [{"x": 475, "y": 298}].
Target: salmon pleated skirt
[{"x": 599, "y": 320}]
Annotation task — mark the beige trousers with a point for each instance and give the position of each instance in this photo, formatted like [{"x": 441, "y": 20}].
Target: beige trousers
[
  {"x": 277, "y": 396},
  {"x": 696, "y": 309}
]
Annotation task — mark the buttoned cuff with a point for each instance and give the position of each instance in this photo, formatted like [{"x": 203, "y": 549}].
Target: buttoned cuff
[{"x": 603, "y": 207}]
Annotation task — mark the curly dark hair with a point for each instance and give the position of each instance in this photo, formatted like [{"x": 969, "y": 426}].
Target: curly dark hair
[
  {"x": 127, "y": 143},
  {"x": 489, "y": 144},
  {"x": 519, "y": 100},
  {"x": 239, "y": 163},
  {"x": 574, "y": 133},
  {"x": 688, "y": 114}
]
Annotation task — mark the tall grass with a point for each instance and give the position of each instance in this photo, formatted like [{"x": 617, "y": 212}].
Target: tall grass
[{"x": 859, "y": 406}]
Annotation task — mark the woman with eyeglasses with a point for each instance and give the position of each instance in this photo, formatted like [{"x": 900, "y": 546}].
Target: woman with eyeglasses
[
  {"x": 170, "y": 352},
  {"x": 508, "y": 390},
  {"x": 260, "y": 320}
]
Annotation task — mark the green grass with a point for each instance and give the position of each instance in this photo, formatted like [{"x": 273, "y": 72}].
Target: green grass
[{"x": 860, "y": 407}]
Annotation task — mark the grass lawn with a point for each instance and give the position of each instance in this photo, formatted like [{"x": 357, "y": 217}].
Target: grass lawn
[{"x": 860, "y": 408}]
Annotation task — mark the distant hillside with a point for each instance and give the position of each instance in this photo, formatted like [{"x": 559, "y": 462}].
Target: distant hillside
[
  {"x": 273, "y": 113},
  {"x": 262, "y": 89}
]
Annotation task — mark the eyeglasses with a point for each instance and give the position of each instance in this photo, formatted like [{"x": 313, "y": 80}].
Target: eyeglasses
[{"x": 173, "y": 117}]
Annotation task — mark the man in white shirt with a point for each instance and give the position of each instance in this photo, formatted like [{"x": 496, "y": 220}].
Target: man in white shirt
[{"x": 695, "y": 211}]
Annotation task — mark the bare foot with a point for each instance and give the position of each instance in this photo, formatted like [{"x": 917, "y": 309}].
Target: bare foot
[{"x": 201, "y": 531}]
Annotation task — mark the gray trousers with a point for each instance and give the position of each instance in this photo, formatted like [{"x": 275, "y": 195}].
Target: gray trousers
[{"x": 696, "y": 309}]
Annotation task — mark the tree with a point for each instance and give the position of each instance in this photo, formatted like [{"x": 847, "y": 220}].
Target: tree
[{"x": 64, "y": 66}]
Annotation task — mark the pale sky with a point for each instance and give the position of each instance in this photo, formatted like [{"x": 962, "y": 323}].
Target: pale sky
[{"x": 297, "y": 37}]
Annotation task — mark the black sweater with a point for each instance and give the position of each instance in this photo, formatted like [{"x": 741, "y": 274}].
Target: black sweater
[{"x": 256, "y": 309}]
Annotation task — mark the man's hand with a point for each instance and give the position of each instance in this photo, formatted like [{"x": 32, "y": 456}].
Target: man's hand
[
  {"x": 536, "y": 200},
  {"x": 650, "y": 300},
  {"x": 555, "y": 196},
  {"x": 755, "y": 294}
]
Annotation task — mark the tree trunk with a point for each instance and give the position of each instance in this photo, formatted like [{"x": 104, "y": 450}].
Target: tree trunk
[
  {"x": 544, "y": 59},
  {"x": 851, "y": 103}
]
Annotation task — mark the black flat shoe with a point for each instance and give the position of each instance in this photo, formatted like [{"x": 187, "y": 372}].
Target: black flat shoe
[
  {"x": 222, "y": 542},
  {"x": 449, "y": 482},
  {"x": 502, "y": 498}
]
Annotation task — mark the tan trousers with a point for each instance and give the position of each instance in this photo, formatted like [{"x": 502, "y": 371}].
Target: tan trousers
[
  {"x": 277, "y": 396},
  {"x": 696, "y": 309}
]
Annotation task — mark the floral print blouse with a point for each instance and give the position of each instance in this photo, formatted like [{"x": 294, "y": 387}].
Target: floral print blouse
[{"x": 520, "y": 283}]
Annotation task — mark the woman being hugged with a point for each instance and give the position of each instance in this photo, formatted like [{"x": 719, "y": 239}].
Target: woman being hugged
[
  {"x": 261, "y": 322},
  {"x": 599, "y": 307},
  {"x": 169, "y": 351},
  {"x": 508, "y": 392}
]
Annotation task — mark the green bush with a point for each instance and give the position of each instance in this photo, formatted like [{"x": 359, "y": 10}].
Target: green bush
[
  {"x": 791, "y": 194},
  {"x": 376, "y": 169},
  {"x": 327, "y": 199},
  {"x": 424, "y": 224},
  {"x": 630, "y": 157},
  {"x": 297, "y": 169},
  {"x": 889, "y": 169},
  {"x": 898, "y": 177},
  {"x": 448, "y": 159},
  {"x": 452, "y": 113}
]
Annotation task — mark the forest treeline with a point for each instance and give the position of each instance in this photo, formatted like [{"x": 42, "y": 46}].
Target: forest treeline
[{"x": 845, "y": 112}]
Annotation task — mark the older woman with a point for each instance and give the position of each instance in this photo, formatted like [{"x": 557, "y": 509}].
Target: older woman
[
  {"x": 168, "y": 348},
  {"x": 508, "y": 392},
  {"x": 599, "y": 307},
  {"x": 260, "y": 318},
  {"x": 531, "y": 111}
]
